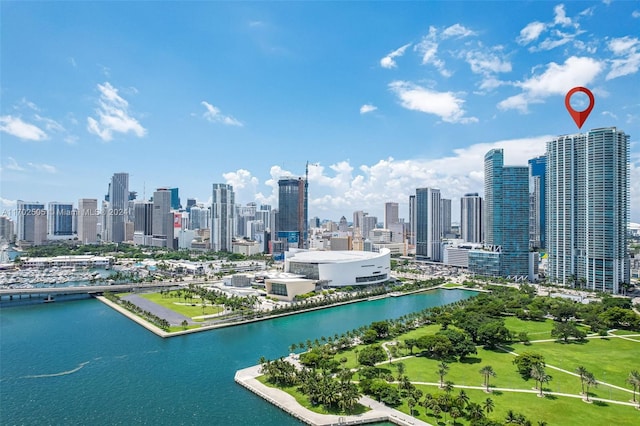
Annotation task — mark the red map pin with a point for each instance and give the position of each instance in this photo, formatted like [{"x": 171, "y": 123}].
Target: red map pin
[{"x": 579, "y": 116}]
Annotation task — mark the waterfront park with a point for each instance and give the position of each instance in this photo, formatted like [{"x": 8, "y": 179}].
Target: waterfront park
[{"x": 508, "y": 357}]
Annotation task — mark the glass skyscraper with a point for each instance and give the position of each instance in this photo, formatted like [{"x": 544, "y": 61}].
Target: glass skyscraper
[
  {"x": 506, "y": 220},
  {"x": 587, "y": 206},
  {"x": 537, "y": 212},
  {"x": 428, "y": 224},
  {"x": 292, "y": 211}
]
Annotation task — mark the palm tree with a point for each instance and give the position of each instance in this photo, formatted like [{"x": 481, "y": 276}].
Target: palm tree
[
  {"x": 589, "y": 381},
  {"x": 443, "y": 369},
  {"x": 474, "y": 411},
  {"x": 462, "y": 399},
  {"x": 411, "y": 403},
  {"x": 293, "y": 347},
  {"x": 448, "y": 387},
  {"x": 540, "y": 376},
  {"x": 401, "y": 369},
  {"x": 634, "y": 381},
  {"x": 583, "y": 373},
  {"x": 488, "y": 405},
  {"x": 487, "y": 371}
]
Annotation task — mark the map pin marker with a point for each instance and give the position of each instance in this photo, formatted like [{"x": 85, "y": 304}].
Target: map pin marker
[{"x": 579, "y": 116}]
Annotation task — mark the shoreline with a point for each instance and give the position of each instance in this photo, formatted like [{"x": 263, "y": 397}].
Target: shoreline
[
  {"x": 378, "y": 412},
  {"x": 166, "y": 334}
]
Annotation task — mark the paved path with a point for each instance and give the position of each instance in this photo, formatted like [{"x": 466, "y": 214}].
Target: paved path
[{"x": 173, "y": 317}]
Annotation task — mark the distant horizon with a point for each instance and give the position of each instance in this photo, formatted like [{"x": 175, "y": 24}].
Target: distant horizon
[{"x": 379, "y": 98}]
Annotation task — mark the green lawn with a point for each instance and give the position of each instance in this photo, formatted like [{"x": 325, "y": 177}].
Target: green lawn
[
  {"x": 554, "y": 411},
  {"x": 609, "y": 359},
  {"x": 451, "y": 285},
  {"x": 537, "y": 330},
  {"x": 176, "y": 304}
]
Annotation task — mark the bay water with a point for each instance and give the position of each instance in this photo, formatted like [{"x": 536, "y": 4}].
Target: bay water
[{"x": 81, "y": 362}]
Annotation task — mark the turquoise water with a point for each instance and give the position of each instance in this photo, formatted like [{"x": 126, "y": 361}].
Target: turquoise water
[{"x": 83, "y": 363}]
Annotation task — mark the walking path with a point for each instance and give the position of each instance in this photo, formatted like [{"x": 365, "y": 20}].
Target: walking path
[
  {"x": 173, "y": 317},
  {"x": 378, "y": 413}
]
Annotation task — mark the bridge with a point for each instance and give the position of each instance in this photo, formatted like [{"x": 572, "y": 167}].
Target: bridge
[{"x": 11, "y": 293}]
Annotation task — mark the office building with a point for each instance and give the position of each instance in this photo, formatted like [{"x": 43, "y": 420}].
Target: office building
[
  {"x": 162, "y": 219},
  {"x": 7, "y": 229},
  {"x": 222, "y": 217},
  {"x": 471, "y": 218},
  {"x": 428, "y": 224},
  {"x": 190, "y": 203},
  {"x": 445, "y": 212},
  {"x": 369, "y": 223},
  {"x": 88, "y": 220},
  {"x": 60, "y": 220},
  {"x": 199, "y": 217},
  {"x": 175, "y": 199},
  {"x": 587, "y": 209},
  {"x": 116, "y": 211},
  {"x": 412, "y": 220},
  {"x": 390, "y": 214},
  {"x": 28, "y": 228},
  {"x": 293, "y": 208},
  {"x": 537, "y": 214}
]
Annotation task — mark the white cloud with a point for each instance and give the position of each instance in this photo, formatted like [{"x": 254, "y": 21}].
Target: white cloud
[
  {"x": 629, "y": 63},
  {"x": 428, "y": 48},
  {"x": 557, "y": 39},
  {"x": 458, "y": 31},
  {"x": 445, "y": 105},
  {"x": 635, "y": 14},
  {"x": 12, "y": 164},
  {"x": 610, "y": 114},
  {"x": 113, "y": 115},
  {"x": 47, "y": 168},
  {"x": 5, "y": 203},
  {"x": 50, "y": 124},
  {"x": 531, "y": 32},
  {"x": 15, "y": 126},
  {"x": 388, "y": 61},
  {"x": 344, "y": 187},
  {"x": 366, "y": 108},
  {"x": 486, "y": 62},
  {"x": 560, "y": 17},
  {"x": 214, "y": 115},
  {"x": 555, "y": 80}
]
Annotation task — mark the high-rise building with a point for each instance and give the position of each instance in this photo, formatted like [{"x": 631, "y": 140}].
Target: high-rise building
[
  {"x": 7, "y": 232},
  {"x": 357, "y": 220},
  {"x": 506, "y": 216},
  {"x": 32, "y": 223},
  {"x": 199, "y": 217},
  {"x": 175, "y": 199},
  {"x": 88, "y": 220},
  {"x": 292, "y": 211},
  {"x": 445, "y": 212},
  {"x": 428, "y": 224},
  {"x": 60, "y": 220},
  {"x": 587, "y": 209},
  {"x": 190, "y": 203},
  {"x": 143, "y": 223},
  {"x": 116, "y": 214},
  {"x": 471, "y": 218},
  {"x": 390, "y": 214},
  {"x": 369, "y": 223},
  {"x": 537, "y": 232},
  {"x": 162, "y": 223},
  {"x": 222, "y": 217},
  {"x": 412, "y": 220},
  {"x": 343, "y": 226}
]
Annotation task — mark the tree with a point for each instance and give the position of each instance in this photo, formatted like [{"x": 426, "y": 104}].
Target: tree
[
  {"x": 564, "y": 330},
  {"x": 525, "y": 361},
  {"x": 582, "y": 372},
  {"x": 634, "y": 380},
  {"x": 493, "y": 333},
  {"x": 461, "y": 342},
  {"x": 411, "y": 403},
  {"x": 185, "y": 324},
  {"x": 474, "y": 411},
  {"x": 488, "y": 405},
  {"x": 539, "y": 374},
  {"x": 371, "y": 355},
  {"x": 487, "y": 371},
  {"x": 401, "y": 369},
  {"x": 443, "y": 369},
  {"x": 589, "y": 381}
]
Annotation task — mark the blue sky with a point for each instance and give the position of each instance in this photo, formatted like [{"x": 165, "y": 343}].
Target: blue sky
[{"x": 379, "y": 97}]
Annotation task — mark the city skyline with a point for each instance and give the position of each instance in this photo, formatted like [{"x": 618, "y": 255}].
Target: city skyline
[{"x": 249, "y": 93}]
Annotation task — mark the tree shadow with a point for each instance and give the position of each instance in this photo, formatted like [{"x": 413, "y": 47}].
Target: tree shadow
[
  {"x": 571, "y": 342},
  {"x": 495, "y": 392},
  {"x": 600, "y": 403},
  {"x": 470, "y": 360},
  {"x": 550, "y": 397}
]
